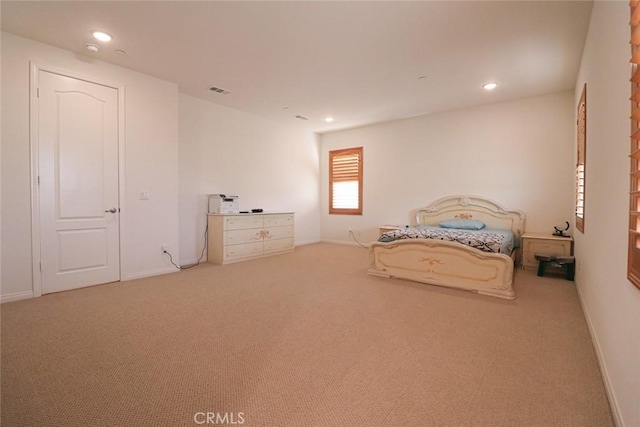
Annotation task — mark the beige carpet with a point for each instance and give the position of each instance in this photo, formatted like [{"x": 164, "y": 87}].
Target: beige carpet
[{"x": 302, "y": 339}]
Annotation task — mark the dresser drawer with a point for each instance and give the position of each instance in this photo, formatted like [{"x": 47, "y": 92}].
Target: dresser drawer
[
  {"x": 274, "y": 233},
  {"x": 242, "y": 251},
  {"x": 279, "y": 245},
  {"x": 242, "y": 222},
  {"x": 237, "y": 237},
  {"x": 278, "y": 220}
]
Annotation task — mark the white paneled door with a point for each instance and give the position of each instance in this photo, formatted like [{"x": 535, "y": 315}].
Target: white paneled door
[{"x": 78, "y": 182}]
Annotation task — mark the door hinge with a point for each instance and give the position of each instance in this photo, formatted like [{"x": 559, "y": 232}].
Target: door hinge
[
  {"x": 38, "y": 179},
  {"x": 40, "y": 266},
  {"x": 38, "y": 92}
]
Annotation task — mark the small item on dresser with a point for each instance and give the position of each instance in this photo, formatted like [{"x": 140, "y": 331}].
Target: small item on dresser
[
  {"x": 244, "y": 211},
  {"x": 223, "y": 204},
  {"x": 256, "y": 210}
]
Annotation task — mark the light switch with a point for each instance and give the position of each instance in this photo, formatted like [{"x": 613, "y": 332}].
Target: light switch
[{"x": 144, "y": 195}]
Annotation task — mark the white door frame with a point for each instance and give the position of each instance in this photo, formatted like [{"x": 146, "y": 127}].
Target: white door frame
[{"x": 35, "y": 68}]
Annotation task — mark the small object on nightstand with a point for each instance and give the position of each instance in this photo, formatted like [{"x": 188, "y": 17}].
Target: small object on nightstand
[
  {"x": 256, "y": 210},
  {"x": 561, "y": 228}
]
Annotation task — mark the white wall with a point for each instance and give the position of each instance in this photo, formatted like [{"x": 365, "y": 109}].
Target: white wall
[
  {"x": 266, "y": 164},
  {"x": 150, "y": 162},
  {"x": 611, "y": 303},
  {"x": 519, "y": 154}
]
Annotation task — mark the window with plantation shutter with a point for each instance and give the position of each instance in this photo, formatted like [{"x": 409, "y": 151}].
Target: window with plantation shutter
[
  {"x": 633, "y": 258},
  {"x": 345, "y": 181},
  {"x": 581, "y": 158}
]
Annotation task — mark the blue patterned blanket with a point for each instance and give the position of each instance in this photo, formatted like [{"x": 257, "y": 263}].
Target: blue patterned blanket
[{"x": 496, "y": 241}]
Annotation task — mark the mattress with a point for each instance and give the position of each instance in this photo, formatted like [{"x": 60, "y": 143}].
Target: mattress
[{"x": 486, "y": 240}]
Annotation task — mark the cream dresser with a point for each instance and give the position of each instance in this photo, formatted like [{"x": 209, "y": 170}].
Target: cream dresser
[
  {"x": 546, "y": 244},
  {"x": 239, "y": 237}
]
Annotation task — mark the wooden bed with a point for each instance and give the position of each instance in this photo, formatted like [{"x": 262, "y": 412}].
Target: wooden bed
[{"x": 453, "y": 264}]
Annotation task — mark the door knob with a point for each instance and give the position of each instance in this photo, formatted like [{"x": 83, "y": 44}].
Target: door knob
[{"x": 112, "y": 210}]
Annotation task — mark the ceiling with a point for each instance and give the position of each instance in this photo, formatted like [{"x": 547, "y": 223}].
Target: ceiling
[{"x": 360, "y": 62}]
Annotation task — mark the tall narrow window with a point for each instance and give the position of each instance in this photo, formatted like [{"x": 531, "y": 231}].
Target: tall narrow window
[
  {"x": 581, "y": 158},
  {"x": 633, "y": 258},
  {"x": 345, "y": 181}
]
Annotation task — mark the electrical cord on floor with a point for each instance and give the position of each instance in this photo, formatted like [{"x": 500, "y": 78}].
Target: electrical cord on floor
[
  {"x": 353, "y": 236},
  {"x": 171, "y": 259},
  {"x": 184, "y": 267}
]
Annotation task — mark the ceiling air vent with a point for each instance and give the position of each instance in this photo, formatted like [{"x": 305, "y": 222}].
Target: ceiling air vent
[
  {"x": 218, "y": 90},
  {"x": 302, "y": 117}
]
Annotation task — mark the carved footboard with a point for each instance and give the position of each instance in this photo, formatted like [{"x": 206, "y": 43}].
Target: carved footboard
[{"x": 444, "y": 263}]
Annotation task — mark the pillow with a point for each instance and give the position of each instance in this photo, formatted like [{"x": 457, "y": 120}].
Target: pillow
[{"x": 464, "y": 224}]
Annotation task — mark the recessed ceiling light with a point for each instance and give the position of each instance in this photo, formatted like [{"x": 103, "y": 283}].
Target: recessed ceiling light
[
  {"x": 92, "y": 48},
  {"x": 489, "y": 86},
  {"x": 121, "y": 52},
  {"x": 328, "y": 119},
  {"x": 219, "y": 90},
  {"x": 102, "y": 36},
  {"x": 422, "y": 77}
]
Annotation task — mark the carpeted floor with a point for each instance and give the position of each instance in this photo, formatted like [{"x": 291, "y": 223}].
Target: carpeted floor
[{"x": 302, "y": 339}]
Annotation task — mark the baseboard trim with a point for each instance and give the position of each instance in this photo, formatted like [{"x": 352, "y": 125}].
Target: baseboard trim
[
  {"x": 344, "y": 242},
  {"x": 307, "y": 242},
  {"x": 150, "y": 273},
  {"x": 613, "y": 402},
  {"x": 16, "y": 296}
]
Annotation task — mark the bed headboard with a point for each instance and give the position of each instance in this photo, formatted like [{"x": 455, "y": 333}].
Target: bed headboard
[{"x": 472, "y": 207}]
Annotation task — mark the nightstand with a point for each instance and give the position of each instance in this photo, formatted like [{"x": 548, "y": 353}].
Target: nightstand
[
  {"x": 384, "y": 228},
  {"x": 546, "y": 244}
]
